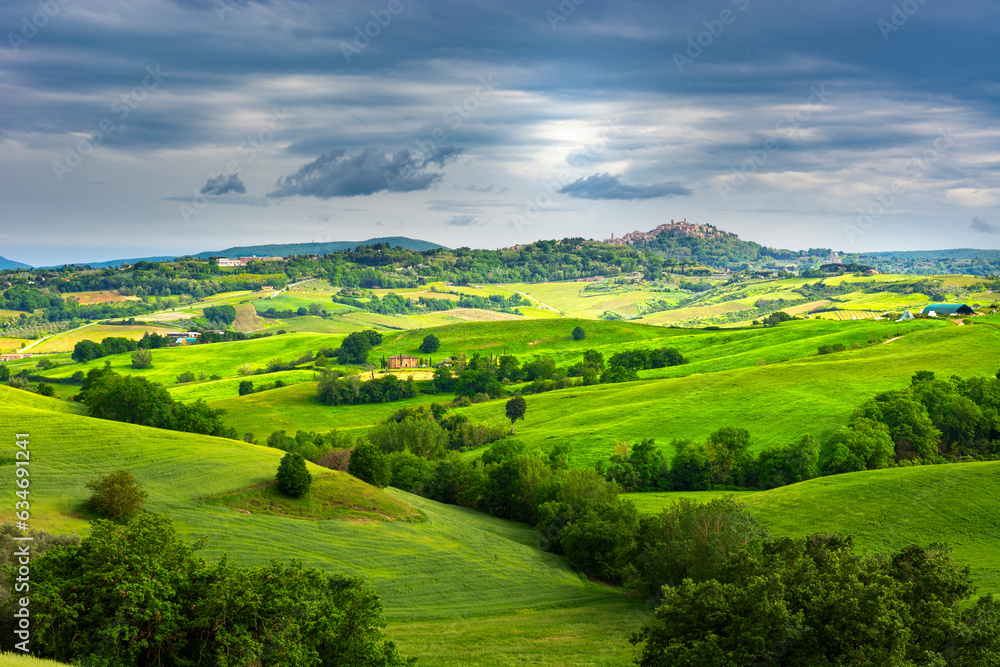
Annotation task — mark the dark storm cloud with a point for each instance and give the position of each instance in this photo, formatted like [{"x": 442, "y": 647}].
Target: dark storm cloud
[
  {"x": 980, "y": 225},
  {"x": 606, "y": 186},
  {"x": 223, "y": 184},
  {"x": 339, "y": 173}
]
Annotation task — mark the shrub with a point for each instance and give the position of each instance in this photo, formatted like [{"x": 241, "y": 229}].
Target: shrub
[
  {"x": 117, "y": 495},
  {"x": 579, "y": 333},
  {"x": 186, "y": 376},
  {"x": 246, "y": 387},
  {"x": 19, "y": 382},
  {"x": 142, "y": 358},
  {"x": 45, "y": 389},
  {"x": 293, "y": 478},
  {"x": 430, "y": 344},
  {"x": 831, "y": 348}
]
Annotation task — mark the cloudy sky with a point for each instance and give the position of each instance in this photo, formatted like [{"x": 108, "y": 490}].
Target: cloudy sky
[{"x": 158, "y": 127}]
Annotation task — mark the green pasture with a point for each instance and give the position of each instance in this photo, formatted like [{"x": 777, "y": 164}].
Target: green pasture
[
  {"x": 776, "y": 402},
  {"x": 295, "y": 408},
  {"x": 212, "y": 359},
  {"x": 221, "y": 390}
]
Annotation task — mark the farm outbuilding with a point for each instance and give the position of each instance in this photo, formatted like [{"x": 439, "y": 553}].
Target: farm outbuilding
[
  {"x": 948, "y": 309},
  {"x": 403, "y": 361}
]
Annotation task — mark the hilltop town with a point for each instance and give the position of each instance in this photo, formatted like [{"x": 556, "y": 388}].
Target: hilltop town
[{"x": 682, "y": 228}]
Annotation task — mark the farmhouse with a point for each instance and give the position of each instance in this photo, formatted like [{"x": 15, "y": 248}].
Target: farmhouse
[
  {"x": 403, "y": 361},
  {"x": 14, "y": 357},
  {"x": 948, "y": 309},
  {"x": 182, "y": 337}
]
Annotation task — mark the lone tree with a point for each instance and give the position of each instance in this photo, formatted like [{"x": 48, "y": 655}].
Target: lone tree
[
  {"x": 579, "y": 333},
  {"x": 430, "y": 344},
  {"x": 293, "y": 478},
  {"x": 516, "y": 407},
  {"x": 142, "y": 358},
  {"x": 117, "y": 495},
  {"x": 246, "y": 387}
]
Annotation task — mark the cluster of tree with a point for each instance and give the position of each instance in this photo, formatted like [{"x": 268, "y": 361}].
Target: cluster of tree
[
  {"x": 86, "y": 350},
  {"x": 136, "y": 400},
  {"x": 310, "y": 445},
  {"x": 393, "y": 304},
  {"x": 355, "y": 347},
  {"x": 726, "y": 460},
  {"x": 819, "y": 601},
  {"x": 333, "y": 389},
  {"x": 931, "y": 421},
  {"x": 137, "y": 595},
  {"x": 225, "y": 315}
]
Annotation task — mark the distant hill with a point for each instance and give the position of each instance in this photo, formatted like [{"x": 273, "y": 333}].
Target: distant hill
[
  {"x": 273, "y": 250},
  {"x": 286, "y": 249},
  {"x": 11, "y": 264}
]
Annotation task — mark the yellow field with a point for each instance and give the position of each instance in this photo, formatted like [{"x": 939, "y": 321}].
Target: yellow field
[
  {"x": 850, "y": 314},
  {"x": 85, "y": 298},
  {"x": 8, "y": 345}
]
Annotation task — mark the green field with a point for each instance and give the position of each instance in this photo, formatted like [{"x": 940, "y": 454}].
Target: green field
[
  {"x": 212, "y": 359},
  {"x": 777, "y": 402}
]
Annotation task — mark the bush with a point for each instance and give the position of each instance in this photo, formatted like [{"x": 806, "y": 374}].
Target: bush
[
  {"x": 246, "y": 387},
  {"x": 142, "y": 358},
  {"x": 579, "y": 333},
  {"x": 293, "y": 478},
  {"x": 186, "y": 376},
  {"x": 19, "y": 382},
  {"x": 430, "y": 344},
  {"x": 370, "y": 464},
  {"x": 117, "y": 495},
  {"x": 45, "y": 389},
  {"x": 831, "y": 348}
]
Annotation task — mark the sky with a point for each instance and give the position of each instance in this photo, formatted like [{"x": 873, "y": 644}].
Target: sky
[{"x": 163, "y": 127}]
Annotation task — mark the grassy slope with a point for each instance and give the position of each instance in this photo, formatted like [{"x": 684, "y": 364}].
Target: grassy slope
[
  {"x": 887, "y": 509},
  {"x": 457, "y": 562},
  {"x": 776, "y": 403}
]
